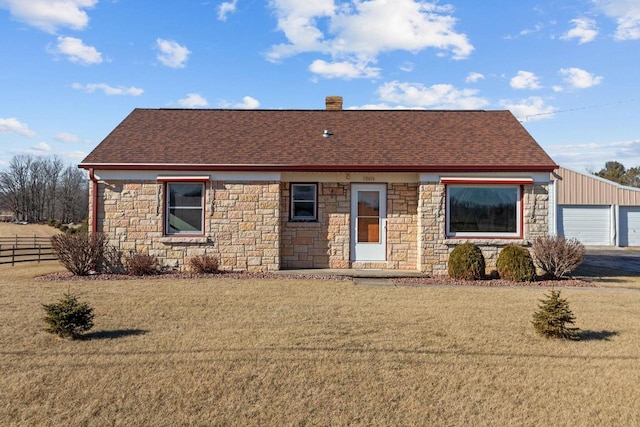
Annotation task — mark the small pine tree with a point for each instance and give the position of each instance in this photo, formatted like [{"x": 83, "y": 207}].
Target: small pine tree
[
  {"x": 552, "y": 318},
  {"x": 68, "y": 318}
]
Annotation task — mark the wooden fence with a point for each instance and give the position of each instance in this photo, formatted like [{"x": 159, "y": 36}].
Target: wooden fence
[{"x": 25, "y": 249}]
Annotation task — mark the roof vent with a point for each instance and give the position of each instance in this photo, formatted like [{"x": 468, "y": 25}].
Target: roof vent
[
  {"x": 326, "y": 133},
  {"x": 333, "y": 103}
]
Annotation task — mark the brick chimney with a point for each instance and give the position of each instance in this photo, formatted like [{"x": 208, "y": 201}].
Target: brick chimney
[{"x": 333, "y": 103}]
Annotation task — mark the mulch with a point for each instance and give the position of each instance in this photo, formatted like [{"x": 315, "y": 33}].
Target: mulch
[{"x": 399, "y": 281}]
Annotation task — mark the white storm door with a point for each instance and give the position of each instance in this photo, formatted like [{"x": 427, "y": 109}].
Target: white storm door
[{"x": 368, "y": 222}]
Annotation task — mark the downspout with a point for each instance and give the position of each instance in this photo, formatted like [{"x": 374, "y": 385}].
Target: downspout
[{"x": 94, "y": 201}]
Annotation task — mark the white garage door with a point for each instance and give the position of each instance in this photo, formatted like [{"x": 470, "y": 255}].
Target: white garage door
[
  {"x": 591, "y": 225},
  {"x": 629, "y": 225}
]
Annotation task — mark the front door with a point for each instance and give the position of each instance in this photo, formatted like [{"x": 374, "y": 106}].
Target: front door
[{"x": 368, "y": 222}]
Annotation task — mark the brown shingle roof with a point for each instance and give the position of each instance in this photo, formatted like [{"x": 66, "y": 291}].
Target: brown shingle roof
[{"x": 293, "y": 140}]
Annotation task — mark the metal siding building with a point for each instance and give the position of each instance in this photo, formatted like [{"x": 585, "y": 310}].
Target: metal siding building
[{"x": 594, "y": 210}]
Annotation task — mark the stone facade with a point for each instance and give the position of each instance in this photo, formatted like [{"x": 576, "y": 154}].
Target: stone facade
[
  {"x": 435, "y": 247},
  {"x": 242, "y": 227},
  {"x": 247, "y": 226}
]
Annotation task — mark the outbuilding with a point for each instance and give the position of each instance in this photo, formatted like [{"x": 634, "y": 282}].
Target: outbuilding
[{"x": 594, "y": 210}]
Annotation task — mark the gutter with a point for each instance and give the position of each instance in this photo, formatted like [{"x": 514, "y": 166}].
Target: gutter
[
  {"x": 317, "y": 168},
  {"x": 94, "y": 201}
]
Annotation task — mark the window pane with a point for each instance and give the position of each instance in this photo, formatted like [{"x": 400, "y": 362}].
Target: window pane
[
  {"x": 304, "y": 192},
  {"x": 182, "y": 195},
  {"x": 368, "y": 203},
  {"x": 303, "y": 210},
  {"x": 185, "y": 220},
  {"x": 303, "y": 201},
  {"x": 483, "y": 209},
  {"x": 368, "y": 230},
  {"x": 185, "y": 208}
]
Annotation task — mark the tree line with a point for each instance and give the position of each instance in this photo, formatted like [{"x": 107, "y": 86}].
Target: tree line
[
  {"x": 37, "y": 189},
  {"x": 617, "y": 172}
]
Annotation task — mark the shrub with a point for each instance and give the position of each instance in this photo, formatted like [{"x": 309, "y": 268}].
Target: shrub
[
  {"x": 515, "y": 263},
  {"x": 552, "y": 318},
  {"x": 79, "y": 253},
  {"x": 142, "y": 265},
  {"x": 112, "y": 261},
  {"x": 466, "y": 262},
  {"x": 68, "y": 318},
  {"x": 558, "y": 256},
  {"x": 204, "y": 264}
]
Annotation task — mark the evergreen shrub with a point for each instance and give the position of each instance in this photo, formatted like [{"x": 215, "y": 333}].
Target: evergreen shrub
[
  {"x": 515, "y": 263},
  {"x": 466, "y": 262},
  {"x": 552, "y": 318},
  {"x": 68, "y": 318}
]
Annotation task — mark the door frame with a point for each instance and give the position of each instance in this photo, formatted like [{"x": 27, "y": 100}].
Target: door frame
[{"x": 368, "y": 251}]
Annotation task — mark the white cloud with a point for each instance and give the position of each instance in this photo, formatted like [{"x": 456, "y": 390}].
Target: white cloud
[
  {"x": 13, "y": 125},
  {"x": 439, "y": 96},
  {"x": 358, "y": 31},
  {"x": 530, "y": 109},
  {"x": 41, "y": 147},
  {"x": 627, "y": 15},
  {"x": 525, "y": 80},
  {"x": 579, "y": 79},
  {"x": 49, "y": 15},
  {"x": 193, "y": 100},
  {"x": 474, "y": 77},
  {"x": 172, "y": 54},
  {"x": 585, "y": 30},
  {"x": 407, "y": 67},
  {"x": 77, "y": 51},
  {"x": 66, "y": 137},
  {"x": 583, "y": 156},
  {"x": 226, "y": 8},
  {"x": 248, "y": 103},
  {"x": 108, "y": 90},
  {"x": 345, "y": 70}
]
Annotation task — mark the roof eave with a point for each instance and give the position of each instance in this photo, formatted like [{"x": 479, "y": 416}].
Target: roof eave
[{"x": 318, "y": 168}]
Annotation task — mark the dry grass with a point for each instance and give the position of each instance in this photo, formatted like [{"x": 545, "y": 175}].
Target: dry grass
[
  {"x": 9, "y": 229},
  {"x": 291, "y": 352},
  {"x": 608, "y": 277}
]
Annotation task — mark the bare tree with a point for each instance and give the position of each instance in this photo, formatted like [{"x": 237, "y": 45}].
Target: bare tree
[{"x": 37, "y": 189}]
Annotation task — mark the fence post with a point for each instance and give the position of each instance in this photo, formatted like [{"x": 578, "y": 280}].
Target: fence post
[
  {"x": 38, "y": 254},
  {"x": 13, "y": 256}
]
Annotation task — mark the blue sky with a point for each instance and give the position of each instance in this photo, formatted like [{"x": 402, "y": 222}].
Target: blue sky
[{"x": 71, "y": 70}]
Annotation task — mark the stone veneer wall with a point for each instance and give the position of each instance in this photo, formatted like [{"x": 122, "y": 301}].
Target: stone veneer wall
[
  {"x": 402, "y": 226},
  {"x": 242, "y": 225},
  {"x": 320, "y": 244},
  {"x": 434, "y": 248},
  {"x": 326, "y": 243}
]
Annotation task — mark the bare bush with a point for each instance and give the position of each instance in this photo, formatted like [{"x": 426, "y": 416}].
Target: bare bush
[
  {"x": 558, "y": 256},
  {"x": 79, "y": 253},
  {"x": 142, "y": 265},
  {"x": 204, "y": 264},
  {"x": 112, "y": 261}
]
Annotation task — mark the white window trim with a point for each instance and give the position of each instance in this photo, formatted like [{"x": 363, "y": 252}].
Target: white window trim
[
  {"x": 315, "y": 203},
  {"x": 167, "y": 227},
  {"x": 487, "y": 235}
]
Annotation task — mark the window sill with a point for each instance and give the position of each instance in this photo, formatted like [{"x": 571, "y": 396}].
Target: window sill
[
  {"x": 303, "y": 223},
  {"x": 184, "y": 239},
  {"x": 487, "y": 240}
]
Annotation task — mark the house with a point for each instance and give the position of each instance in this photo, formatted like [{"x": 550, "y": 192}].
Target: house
[
  {"x": 265, "y": 190},
  {"x": 594, "y": 210}
]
